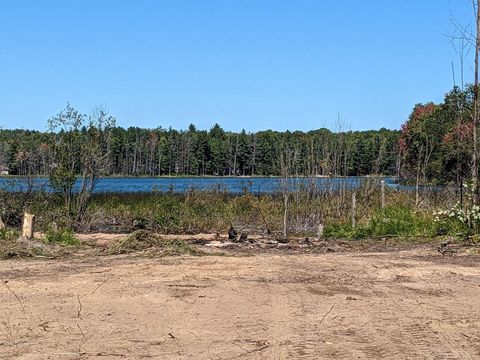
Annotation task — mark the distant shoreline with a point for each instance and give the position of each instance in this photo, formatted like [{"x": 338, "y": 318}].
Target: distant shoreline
[{"x": 211, "y": 176}]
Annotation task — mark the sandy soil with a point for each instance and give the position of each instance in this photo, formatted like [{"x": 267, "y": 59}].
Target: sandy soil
[{"x": 412, "y": 304}]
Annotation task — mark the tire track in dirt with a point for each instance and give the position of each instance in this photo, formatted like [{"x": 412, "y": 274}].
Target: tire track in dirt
[{"x": 347, "y": 306}]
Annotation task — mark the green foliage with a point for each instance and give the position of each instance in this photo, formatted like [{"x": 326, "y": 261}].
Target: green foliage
[
  {"x": 452, "y": 227},
  {"x": 196, "y": 212},
  {"x": 168, "y": 213},
  {"x": 436, "y": 140},
  {"x": 391, "y": 221},
  {"x": 14, "y": 203},
  {"x": 74, "y": 143},
  {"x": 8, "y": 234},
  {"x": 461, "y": 219},
  {"x": 61, "y": 236},
  {"x": 78, "y": 146},
  {"x": 62, "y": 179},
  {"x": 401, "y": 221}
]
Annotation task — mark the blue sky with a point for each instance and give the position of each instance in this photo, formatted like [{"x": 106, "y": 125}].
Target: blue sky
[{"x": 253, "y": 64}]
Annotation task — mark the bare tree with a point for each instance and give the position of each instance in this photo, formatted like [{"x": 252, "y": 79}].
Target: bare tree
[
  {"x": 465, "y": 35},
  {"x": 80, "y": 151},
  {"x": 476, "y": 9},
  {"x": 285, "y": 186}
]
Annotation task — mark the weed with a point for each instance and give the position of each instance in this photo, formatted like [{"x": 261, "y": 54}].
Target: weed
[
  {"x": 64, "y": 236},
  {"x": 391, "y": 221},
  {"x": 8, "y": 234}
]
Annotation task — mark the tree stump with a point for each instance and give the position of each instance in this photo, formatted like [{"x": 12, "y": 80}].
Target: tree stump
[
  {"x": 28, "y": 226},
  {"x": 232, "y": 234}
]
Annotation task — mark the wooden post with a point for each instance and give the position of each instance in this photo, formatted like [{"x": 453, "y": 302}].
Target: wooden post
[
  {"x": 28, "y": 226},
  {"x": 320, "y": 230},
  {"x": 285, "y": 214},
  {"x": 383, "y": 193},
  {"x": 354, "y": 209}
]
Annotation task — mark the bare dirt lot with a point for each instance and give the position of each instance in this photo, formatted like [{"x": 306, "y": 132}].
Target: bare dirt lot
[{"x": 411, "y": 304}]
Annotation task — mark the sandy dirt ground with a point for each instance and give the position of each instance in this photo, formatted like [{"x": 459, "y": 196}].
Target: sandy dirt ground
[{"x": 413, "y": 304}]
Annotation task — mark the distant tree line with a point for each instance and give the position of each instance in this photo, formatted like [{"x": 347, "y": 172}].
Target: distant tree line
[
  {"x": 435, "y": 144},
  {"x": 157, "y": 152}
]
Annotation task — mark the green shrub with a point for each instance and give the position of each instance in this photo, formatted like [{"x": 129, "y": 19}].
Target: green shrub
[
  {"x": 451, "y": 226},
  {"x": 400, "y": 221},
  {"x": 461, "y": 218},
  {"x": 8, "y": 234},
  {"x": 340, "y": 231},
  {"x": 64, "y": 236},
  {"x": 391, "y": 221},
  {"x": 168, "y": 213}
]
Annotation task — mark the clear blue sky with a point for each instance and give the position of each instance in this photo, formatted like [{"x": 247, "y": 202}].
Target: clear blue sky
[{"x": 253, "y": 64}]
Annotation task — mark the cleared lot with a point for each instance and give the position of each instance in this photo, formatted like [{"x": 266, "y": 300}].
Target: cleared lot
[{"x": 400, "y": 305}]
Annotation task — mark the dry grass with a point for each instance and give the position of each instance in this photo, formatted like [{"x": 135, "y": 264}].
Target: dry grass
[
  {"x": 142, "y": 240},
  {"x": 21, "y": 248}
]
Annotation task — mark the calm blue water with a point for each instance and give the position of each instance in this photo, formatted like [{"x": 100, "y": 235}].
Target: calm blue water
[{"x": 228, "y": 184}]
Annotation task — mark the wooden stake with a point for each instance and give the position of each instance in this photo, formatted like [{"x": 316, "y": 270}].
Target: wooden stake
[
  {"x": 28, "y": 226},
  {"x": 354, "y": 209},
  {"x": 383, "y": 194},
  {"x": 285, "y": 214}
]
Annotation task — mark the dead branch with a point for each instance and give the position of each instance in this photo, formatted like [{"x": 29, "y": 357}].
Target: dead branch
[
  {"x": 4, "y": 282},
  {"x": 98, "y": 287},
  {"x": 9, "y": 330},
  {"x": 79, "y": 307},
  {"x": 326, "y": 314},
  {"x": 93, "y": 354},
  {"x": 84, "y": 338},
  {"x": 251, "y": 352}
]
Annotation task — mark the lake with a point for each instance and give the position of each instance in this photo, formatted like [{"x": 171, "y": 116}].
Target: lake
[{"x": 182, "y": 184}]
